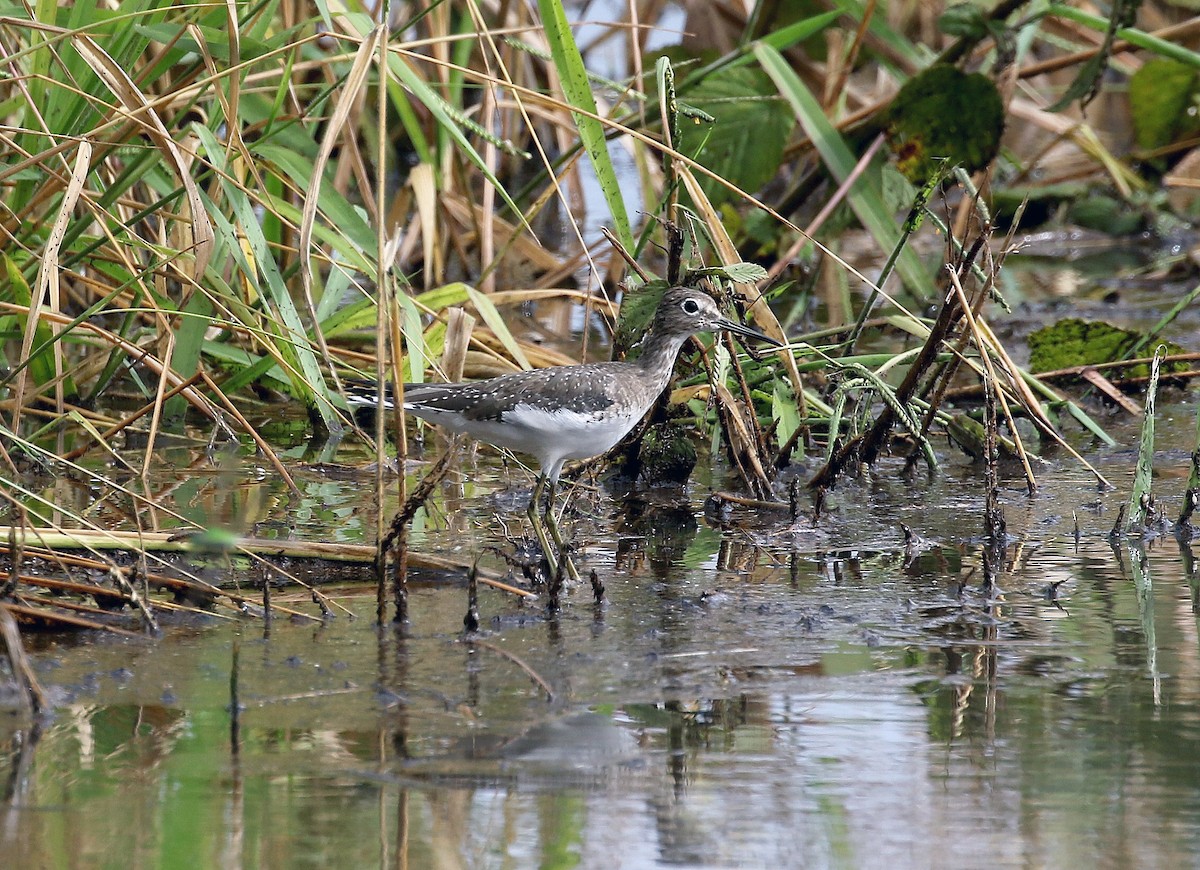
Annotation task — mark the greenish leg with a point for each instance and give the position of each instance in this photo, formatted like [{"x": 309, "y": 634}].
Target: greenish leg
[
  {"x": 535, "y": 520},
  {"x": 556, "y": 536}
]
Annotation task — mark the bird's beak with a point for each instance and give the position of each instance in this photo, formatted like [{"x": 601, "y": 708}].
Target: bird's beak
[{"x": 739, "y": 329}]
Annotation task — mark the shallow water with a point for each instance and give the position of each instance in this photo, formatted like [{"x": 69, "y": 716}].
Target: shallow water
[{"x": 752, "y": 692}]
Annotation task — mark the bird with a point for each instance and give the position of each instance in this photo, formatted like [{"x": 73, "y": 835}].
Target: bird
[{"x": 562, "y": 413}]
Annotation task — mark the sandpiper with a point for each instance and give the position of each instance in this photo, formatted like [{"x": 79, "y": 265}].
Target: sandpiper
[{"x": 570, "y": 412}]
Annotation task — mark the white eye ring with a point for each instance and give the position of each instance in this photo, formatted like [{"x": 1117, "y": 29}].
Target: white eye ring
[{"x": 690, "y": 306}]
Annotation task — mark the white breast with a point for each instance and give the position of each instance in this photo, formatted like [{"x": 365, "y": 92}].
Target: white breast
[{"x": 554, "y": 436}]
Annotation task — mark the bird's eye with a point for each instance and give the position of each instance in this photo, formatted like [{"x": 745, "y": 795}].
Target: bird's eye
[{"x": 690, "y": 306}]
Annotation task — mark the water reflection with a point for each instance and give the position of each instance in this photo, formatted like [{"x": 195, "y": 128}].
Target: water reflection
[{"x": 786, "y": 715}]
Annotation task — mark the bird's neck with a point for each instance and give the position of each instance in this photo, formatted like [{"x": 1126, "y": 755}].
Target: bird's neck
[{"x": 658, "y": 356}]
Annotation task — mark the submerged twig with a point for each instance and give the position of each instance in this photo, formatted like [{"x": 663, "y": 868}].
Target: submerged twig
[
  {"x": 516, "y": 660},
  {"x": 1191, "y": 496},
  {"x": 32, "y": 696},
  {"x": 992, "y": 392},
  {"x": 143, "y": 607},
  {"x": 61, "y": 619},
  {"x": 235, "y": 703},
  {"x": 471, "y": 620},
  {"x": 597, "y": 587}
]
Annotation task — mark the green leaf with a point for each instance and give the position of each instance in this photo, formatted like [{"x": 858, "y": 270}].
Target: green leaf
[
  {"x": 216, "y": 41},
  {"x": 456, "y": 293},
  {"x": 189, "y": 340},
  {"x": 784, "y": 411},
  {"x": 738, "y": 273},
  {"x": 487, "y": 310},
  {"x": 414, "y": 339},
  {"x": 780, "y": 40},
  {"x": 441, "y": 298},
  {"x": 1161, "y": 95},
  {"x": 740, "y": 100},
  {"x": 1085, "y": 84},
  {"x": 965, "y": 20},
  {"x": 785, "y": 37},
  {"x": 348, "y": 220},
  {"x": 359, "y": 314}
]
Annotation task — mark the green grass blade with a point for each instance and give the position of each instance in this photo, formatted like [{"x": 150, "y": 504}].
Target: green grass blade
[
  {"x": 1130, "y": 34},
  {"x": 913, "y": 54},
  {"x": 1137, "y": 515},
  {"x": 780, "y": 40},
  {"x": 437, "y": 107},
  {"x": 414, "y": 339},
  {"x": 41, "y": 363},
  {"x": 578, "y": 91},
  {"x": 865, "y": 198},
  {"x": 294, "y": 346},
  {"x": 189, "y": 342},
  {"x": 496, "y": 323}
]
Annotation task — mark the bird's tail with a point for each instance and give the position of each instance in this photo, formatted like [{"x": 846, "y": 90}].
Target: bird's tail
[{"x": 365, "y": 394}]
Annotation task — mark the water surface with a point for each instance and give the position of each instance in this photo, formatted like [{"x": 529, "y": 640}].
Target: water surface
[{"x": 752, "y": 692}]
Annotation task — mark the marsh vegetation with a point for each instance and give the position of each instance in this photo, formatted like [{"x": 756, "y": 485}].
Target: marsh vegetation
[{"x": 972, "y": 229}]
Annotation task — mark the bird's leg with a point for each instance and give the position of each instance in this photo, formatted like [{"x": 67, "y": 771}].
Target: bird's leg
[
  {"x": 539, "y": 530},
  {"x": 556, "y": 536}
]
